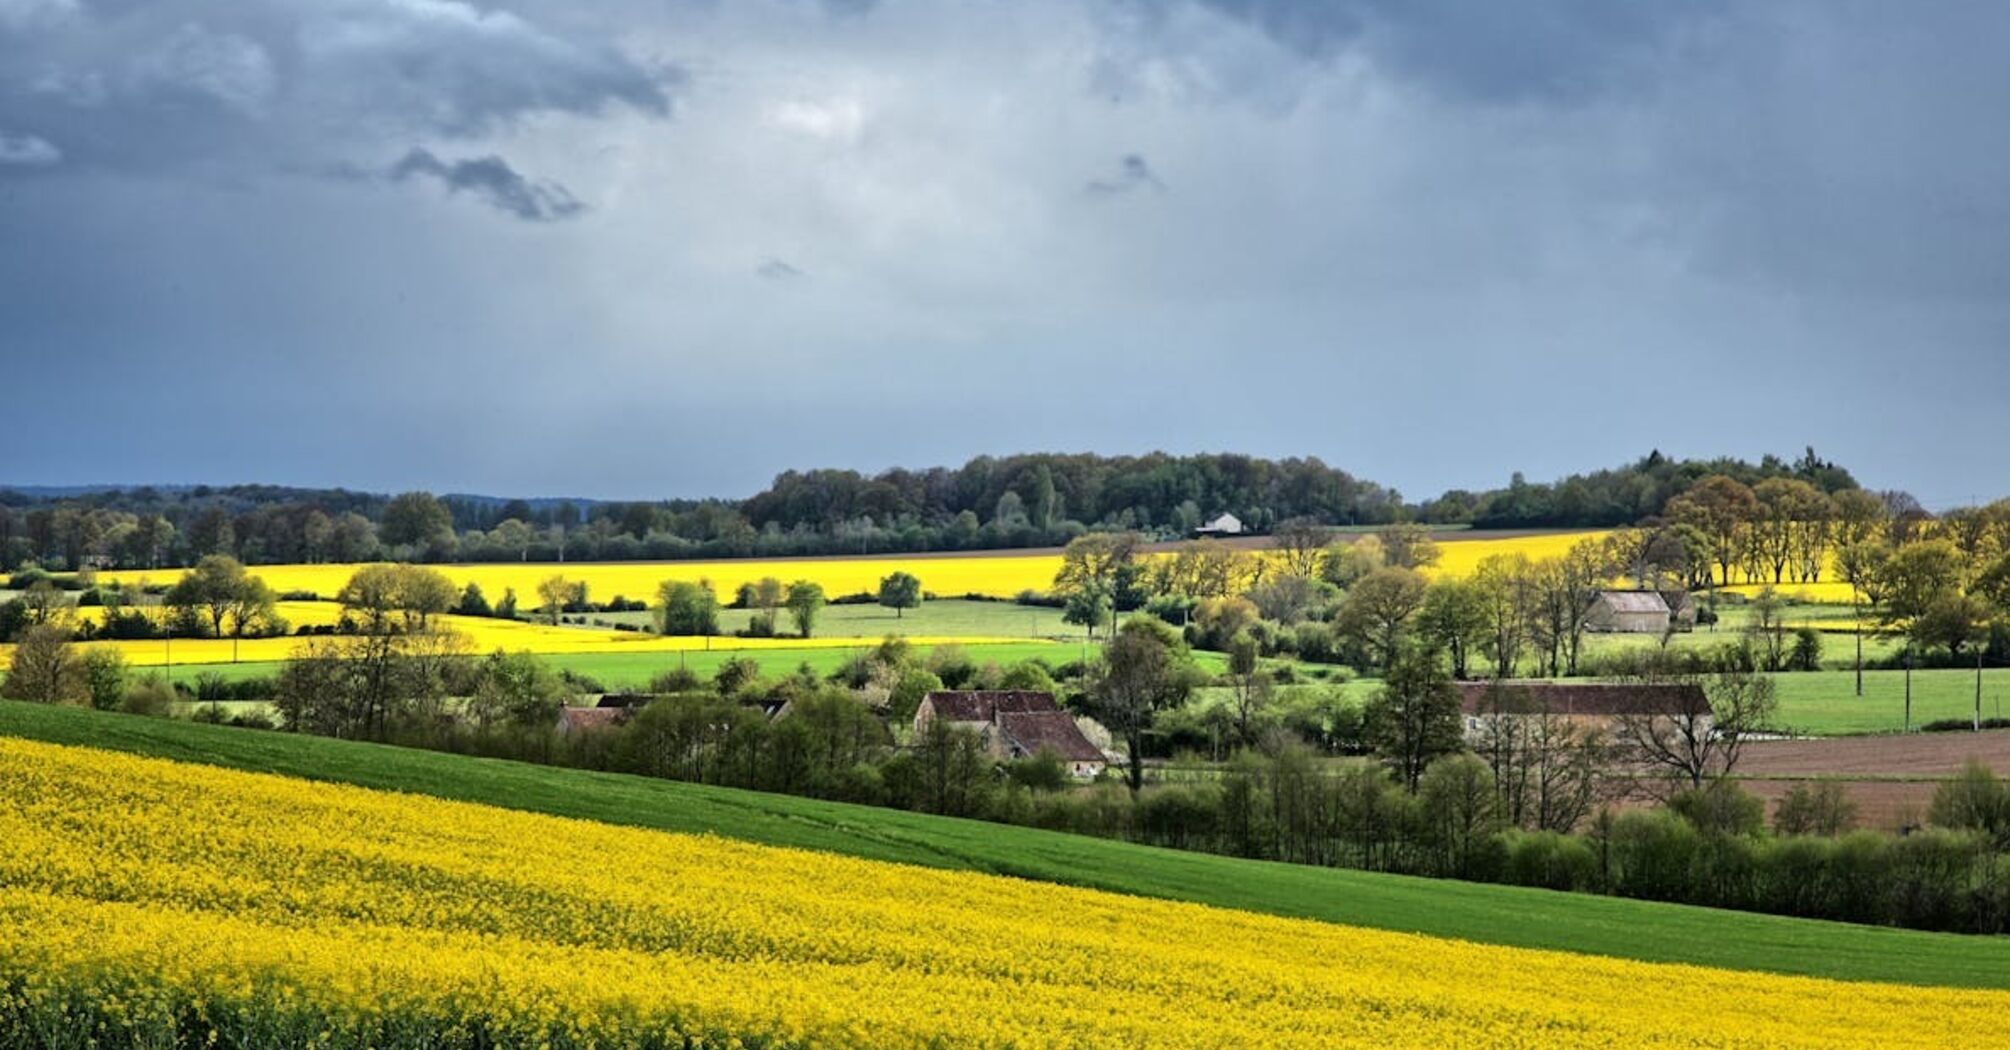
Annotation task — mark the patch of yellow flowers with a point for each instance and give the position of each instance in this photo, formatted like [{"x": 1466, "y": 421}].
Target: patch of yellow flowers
[{"x": 144, "y": 902}]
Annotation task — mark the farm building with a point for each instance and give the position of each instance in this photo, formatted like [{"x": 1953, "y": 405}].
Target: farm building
[
  {"x": 1014, "y": 724},
  {"x": 572, "y": 720},
  {"x": 1220, "y": 525},
  {"x": 1596, "y": 704},
  {"x": 1631, "y": 612}
]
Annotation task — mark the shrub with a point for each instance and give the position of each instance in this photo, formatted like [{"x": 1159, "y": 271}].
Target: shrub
[
  {"x": 1548, "y": 860},
  {"x": 1822, "y": 808},
  {"x": 149, "y": 696},
  {"x": 734, "y": 674},
  {"x": 675, "y": 680},
  {"x": 1975, "y": 800},
  {"x": 1721, "y": 807},
  {"x": 105, "y": 678}
]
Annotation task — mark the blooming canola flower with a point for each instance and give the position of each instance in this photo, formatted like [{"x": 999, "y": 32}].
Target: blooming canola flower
[{"x": 140, "y": 897}]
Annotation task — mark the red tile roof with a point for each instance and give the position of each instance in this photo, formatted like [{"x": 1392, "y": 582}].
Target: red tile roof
[
  {"x": 1587, "y": 698},
  {"x": 574, "y": 719},
  {"x": 1031, "y": 732},
  {"x": 980, "y": 705}
]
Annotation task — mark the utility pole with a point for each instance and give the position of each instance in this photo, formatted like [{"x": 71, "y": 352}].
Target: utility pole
[{"x": 1908, "y": 685}]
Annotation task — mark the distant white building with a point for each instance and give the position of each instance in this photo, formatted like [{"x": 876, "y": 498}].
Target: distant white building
[{"x": 1221, "y": 525}]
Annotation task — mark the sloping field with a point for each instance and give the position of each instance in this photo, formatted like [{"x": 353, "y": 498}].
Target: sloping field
[
  {"x": 1492, "y": 914},
  {"x": 140, "y": 897}
]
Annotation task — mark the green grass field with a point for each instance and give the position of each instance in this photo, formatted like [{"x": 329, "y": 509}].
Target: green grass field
[
  {"x": 1825, "y": 703},
  {"x": 1492, "y": 914},
  {"x": 633, "y": 670}
]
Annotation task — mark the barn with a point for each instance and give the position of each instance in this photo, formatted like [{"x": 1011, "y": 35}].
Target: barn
[
  {"x": 1627, "y": 612},
  {"x": 1590, "y": 704}
]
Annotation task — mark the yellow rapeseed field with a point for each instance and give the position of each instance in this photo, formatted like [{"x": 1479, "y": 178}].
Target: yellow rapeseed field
[
  {"x": 142, "y": 900},
  {"x": 483, "y": 635},
  {"x": 1460, "y": 558},
  {"x": 999, "y": 574}
]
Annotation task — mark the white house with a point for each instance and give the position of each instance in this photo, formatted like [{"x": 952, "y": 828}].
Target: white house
[{"x": 1221, "y": 525}]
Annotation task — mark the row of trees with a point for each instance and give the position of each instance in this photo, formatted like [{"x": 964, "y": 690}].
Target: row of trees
[{"x": 1012, "y": 501}]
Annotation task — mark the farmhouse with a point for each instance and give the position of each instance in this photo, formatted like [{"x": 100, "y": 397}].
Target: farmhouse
[
  {"x": 1013, "y": 724},
  {"x": 1638, "y": 612},
  {"x": 573, "y": 720},
  {"x": 1591, "y": 704},
  {"x": 1221, "y": 525}
]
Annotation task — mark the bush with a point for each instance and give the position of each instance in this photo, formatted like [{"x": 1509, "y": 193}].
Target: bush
[
  {"x": 1042, "y": 772},
  {"x": 1806, "y": 654},
  {"x": 1815, "y": 809},
  {"x": 1650, "y": 854},
  {"x": 1548, "y": 860},
  {"x": 1962, "y": 725},
  {"x": 149, "y": 696},
  {"x": 105, "y": 678},
  {"x": 953, "y": 665},
  {"x": 734, "y": 674},
  {"x": 675, "y": 680},
  {"x": 1721, "y": 807}
]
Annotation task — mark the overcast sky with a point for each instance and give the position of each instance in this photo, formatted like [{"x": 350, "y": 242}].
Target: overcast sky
[{"x": 645, "y": 249}]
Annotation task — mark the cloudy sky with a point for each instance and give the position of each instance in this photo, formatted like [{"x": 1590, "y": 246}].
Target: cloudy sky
[{"x": 639, "y": 249}]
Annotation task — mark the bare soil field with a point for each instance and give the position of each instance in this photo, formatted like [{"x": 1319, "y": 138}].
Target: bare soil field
[
  {"x": 1890, "y": 778},
  {"x": 1913, "y": 755}
]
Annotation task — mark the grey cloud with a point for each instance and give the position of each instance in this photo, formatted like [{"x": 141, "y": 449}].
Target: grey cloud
[
  {"x": 28, "y": 151},
  {"x": 281, "y": 84},
  {"x": 1133, "y": 173},
  {"x": 461, "y": 69},
  {"x": 1554, "y": 50},
  {"x": 778, "y": 270},
  {"x": 230, "y": 70},
  {"x": 1501, "y": 204},
  {"x": 494, "y": 182}
]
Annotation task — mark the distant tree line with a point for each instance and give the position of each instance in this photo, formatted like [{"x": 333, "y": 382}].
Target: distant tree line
[{"x": 990, "y": 502}]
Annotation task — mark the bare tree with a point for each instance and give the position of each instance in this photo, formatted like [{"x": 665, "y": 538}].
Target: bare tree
[
  {"x": 1548, "y": 768},
  {"x": 1702, "y": 733},
  {"x": 1301, "y": 545}
]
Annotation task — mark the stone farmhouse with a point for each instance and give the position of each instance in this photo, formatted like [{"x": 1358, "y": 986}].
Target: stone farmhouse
[
  {"x": 1590, "y": 704},
  {"x": 1014, "y": 724}
]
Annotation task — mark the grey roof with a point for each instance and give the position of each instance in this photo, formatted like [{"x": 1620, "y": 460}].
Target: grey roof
[{"x": 1634, "y": 601}]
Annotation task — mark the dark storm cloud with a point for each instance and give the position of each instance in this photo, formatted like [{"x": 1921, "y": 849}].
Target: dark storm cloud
[
  {"x": 1133, "y": 173},
  {"x": 1432, "y": 242},
  {"x": 494, "y": 182},
  {"x": 171, "y": 82}
]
